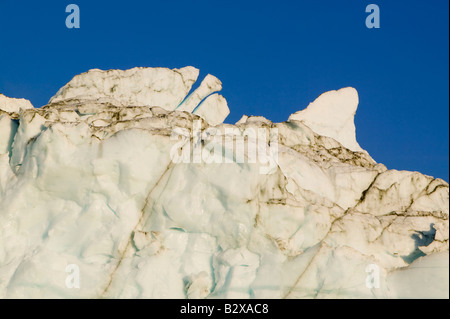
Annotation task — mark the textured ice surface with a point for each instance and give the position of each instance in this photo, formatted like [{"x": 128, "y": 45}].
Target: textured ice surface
[
  {"x": 160, "y": 87},
  {"x": 332, "y": 114},
  {"x": 13, "y": 105},
  {"x": 89, "y": 181}
]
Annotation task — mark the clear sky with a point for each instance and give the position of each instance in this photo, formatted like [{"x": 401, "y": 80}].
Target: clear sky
[{"x": 273, "y": 57}]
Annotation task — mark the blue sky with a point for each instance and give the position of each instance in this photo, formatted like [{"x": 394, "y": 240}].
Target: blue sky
[{"x": 273, "y": 57}]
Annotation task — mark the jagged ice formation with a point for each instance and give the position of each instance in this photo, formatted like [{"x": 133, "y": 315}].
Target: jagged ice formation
[{"x": 90, "y": 180}]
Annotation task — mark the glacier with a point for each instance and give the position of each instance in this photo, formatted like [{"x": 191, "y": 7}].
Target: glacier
[{"x": 128, "y": 184}]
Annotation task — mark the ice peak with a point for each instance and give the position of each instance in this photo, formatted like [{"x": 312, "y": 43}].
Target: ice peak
[
  {"x": 13, "y": 105},
  {"x": 162, "y": 87},
  {"x": 137, "y": 86},
  {"x": 332, "y": 114}
]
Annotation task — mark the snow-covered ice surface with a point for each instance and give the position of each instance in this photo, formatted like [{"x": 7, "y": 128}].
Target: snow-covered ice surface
[{"x": 89, "y": 181}]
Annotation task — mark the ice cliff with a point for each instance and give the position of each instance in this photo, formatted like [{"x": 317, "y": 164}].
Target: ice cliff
[{"x": 128, "y": 185}]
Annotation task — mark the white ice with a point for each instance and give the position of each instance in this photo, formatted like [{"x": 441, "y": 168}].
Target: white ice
[{"x": 88, "y": 181}]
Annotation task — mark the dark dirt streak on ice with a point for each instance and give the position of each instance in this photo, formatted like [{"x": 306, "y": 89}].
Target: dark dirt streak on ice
[{"x": 122, "y": 255}]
